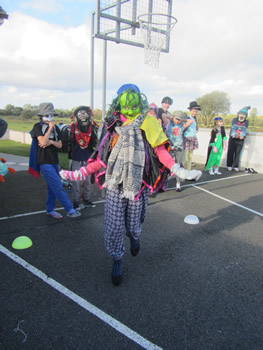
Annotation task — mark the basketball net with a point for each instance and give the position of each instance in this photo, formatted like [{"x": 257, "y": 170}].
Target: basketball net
[{"x": 156, "y": 29}]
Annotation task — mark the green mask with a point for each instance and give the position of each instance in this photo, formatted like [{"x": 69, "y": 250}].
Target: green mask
[{"x": 130, "y": 106}]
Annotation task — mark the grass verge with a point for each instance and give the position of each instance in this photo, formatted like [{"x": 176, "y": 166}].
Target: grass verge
[{"x": 21, "y": 149}]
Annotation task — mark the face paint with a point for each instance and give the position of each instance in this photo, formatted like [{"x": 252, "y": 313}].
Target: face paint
[
  {"x": 130, "y": 106},
  {"x": 47, "y": 118}
]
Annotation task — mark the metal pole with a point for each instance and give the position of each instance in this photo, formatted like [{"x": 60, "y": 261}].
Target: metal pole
[
  {"x": 118, "y": 14},
  {"x": 104, "y": 76},
  {"x": 92, "y": 63}
]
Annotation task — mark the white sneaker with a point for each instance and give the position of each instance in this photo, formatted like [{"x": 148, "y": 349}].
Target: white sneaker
[
  {"x": 178, "y": 187},
  {"x": 217, "y": 172},
  {"x": 229, "y": 168},
  {"x": 211, "y": 171},
  {"x": 236, "y": 169}
]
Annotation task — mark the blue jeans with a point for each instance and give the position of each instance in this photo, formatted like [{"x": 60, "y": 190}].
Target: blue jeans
[{"x": 55, "y": 189}]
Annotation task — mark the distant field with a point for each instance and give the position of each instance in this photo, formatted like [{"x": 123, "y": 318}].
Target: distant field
[
  {"x": 16, "y": 148},
  {"x": 24, "y": 125},
  {"x": 21, "y": 149}
]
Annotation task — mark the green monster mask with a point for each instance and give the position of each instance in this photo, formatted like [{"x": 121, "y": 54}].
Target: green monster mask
[{"x": 130, "y": 105}]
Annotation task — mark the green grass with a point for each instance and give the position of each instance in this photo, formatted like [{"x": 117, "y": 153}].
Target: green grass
[
  {"x": 20, "y": 125},
  {"x": 27, "y": 125},
  {"x": 21, "y": 149},
  {"x": 16, "y": 148}
]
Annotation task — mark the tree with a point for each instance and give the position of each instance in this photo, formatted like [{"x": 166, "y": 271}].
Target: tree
[
  {"x": 9, "y": 109},
  {"x": 253, "y": 112},
  {"x": 17, "y": 111},
  {"x": 28, "y": 107},
  {"x": 27, "y": 114},
  {"x": 97, "y": 114},
  {"x": 212, "y": 104}
]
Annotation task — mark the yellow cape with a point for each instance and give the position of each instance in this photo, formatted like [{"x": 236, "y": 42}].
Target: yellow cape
[{"x": 153, "y": 131}]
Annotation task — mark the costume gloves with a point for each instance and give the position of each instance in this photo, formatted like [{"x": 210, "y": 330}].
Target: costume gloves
[
  {"x": 186, "y": 174},
  {"x": 77, "y": 175}
]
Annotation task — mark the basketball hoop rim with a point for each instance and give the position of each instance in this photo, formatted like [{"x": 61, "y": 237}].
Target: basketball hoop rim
[{"x": 140, "y": 20}]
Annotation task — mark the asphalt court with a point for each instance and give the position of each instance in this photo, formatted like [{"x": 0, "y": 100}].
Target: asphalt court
[{"x": 190, "y": 287}]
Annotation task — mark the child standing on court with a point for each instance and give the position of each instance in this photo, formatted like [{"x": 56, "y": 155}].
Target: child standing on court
[
  {"x": 47, "y": 140},
  {"x": 216, "y": 146},
  {"x": 190, "y": 142},
  {"x": 84, "y": 139},
  {"x": 175, "y": 128},
  {"x": 237, "y": 137}
]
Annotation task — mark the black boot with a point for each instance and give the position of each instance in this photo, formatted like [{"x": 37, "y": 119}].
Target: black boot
[
  {"x": 116, "y": 275},
  {"x": 135, "y": 246}
]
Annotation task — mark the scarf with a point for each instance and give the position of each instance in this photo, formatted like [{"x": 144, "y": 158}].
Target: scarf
[
  {"x": 82, "y": 138},
  {"x": 127, "y": 159}
]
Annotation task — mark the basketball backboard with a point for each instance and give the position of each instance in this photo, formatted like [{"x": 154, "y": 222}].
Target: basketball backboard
[{"x": 117, "y": 20}]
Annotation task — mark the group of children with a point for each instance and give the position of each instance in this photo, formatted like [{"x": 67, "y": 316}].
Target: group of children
[
  {"x": 139, "y": 146},
  {"x": 46, "y": 141},
  {"x": 218, "y": 142},
  {"x": 181, "y": 131}
]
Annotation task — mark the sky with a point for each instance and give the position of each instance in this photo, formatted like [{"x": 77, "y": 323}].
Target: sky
[{"x": 45, "y": 55}]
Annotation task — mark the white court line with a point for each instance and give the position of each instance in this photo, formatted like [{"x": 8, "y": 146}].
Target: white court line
[
  {"x": 118, "y": 326},
  {"x": 35, "y": 212},
  {"x": 102, "y": 201},
  {"x": 206, "y": 182},
  {"x": 229, "y": 201}
]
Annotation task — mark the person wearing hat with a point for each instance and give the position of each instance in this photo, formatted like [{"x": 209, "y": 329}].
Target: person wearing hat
[
  {"x": 237, "y": 137},
  {"x": 174, "y": 132},
  {"x": 190, "y": 142},
  {"x": 84, "y": 138},
  {"x": 47, "y": 137},
  {"x": 216, "y": 146},
  {"x": 163, "y": 113}
]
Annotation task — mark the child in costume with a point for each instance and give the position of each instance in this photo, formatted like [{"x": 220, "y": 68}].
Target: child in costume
[
  {"x": 131, "y": 151},
  {"x": 45, "y": 145},
  {"x": 153, "y": 110},
  {"x": 190, "y": 142},
  {"x": 237, "y": 137},
  {"x": 84, "y": 138},
  {"x": 216, "y": 146},
  {"x": 163, "y": 112},
  {"x": 174, "y": 132}
]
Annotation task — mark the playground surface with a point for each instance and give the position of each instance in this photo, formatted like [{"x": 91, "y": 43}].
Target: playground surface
[{"x": 190, "y": 287}]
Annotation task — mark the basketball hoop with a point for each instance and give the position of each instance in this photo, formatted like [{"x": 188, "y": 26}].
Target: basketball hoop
[{"x": 156, "y": 28}]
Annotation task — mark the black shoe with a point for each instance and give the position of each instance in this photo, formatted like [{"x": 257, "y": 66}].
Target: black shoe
[
  {"x": 89, "y": 204},
  {"x": 76, "y": 205},
  {"x": 116, "y": 274},
  {"x": 135, "y": 246},
  {"x": 178, "y": 189},
  {"x": 162, "y": 190}
]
